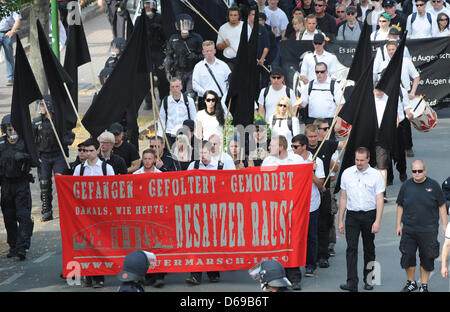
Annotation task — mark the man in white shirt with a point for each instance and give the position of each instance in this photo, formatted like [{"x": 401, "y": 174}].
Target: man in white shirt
[
  {"x": 307, "y": 70},
  {"x": 421, "y": 23},
  {"x": 300, "y": 147},
  {"x": 175, "y": 108},
  {"x": 269, "y": 96},
  {"x": 279, "y": 154},
  {"x": 148, "y": 162},
  {"x": 437, "y": 6},
  {"x": 362, "y": 190},
  {"x": 322, "y": 95},
  {"x": 311, "y": 27},
  {"x": 278, "y": 20},
  {"x": 211, "y": 73},
  {"x": 230, "y": 35},
  {"x": 224, "y": 160}
]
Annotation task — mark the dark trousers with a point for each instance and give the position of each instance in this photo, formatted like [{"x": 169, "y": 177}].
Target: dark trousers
[
  {"x": 16, "y": 209},
  {"x": 211, "y": 274},
  {"x": 399, "y": 157},
  {"x": 51, "y": 163},
  {"x": 356, "y": 224},
  {"x": 312, "y": 241},
  {"x": 324, "y": 224},
  {"x": 407, "y": 135}
]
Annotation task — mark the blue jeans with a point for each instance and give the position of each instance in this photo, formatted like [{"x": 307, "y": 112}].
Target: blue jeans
[
  {"x": 312, "y": 243},
  {"x": 7, "y": 44}
]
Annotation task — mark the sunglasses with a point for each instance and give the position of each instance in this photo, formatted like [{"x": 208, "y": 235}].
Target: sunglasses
[
  {"x": 443, "y": 19},
  {"x": 324, "y": 129},
  {"x": 419, "y": 4},
  {"x": 82, "y": 150},
  {"x": 275, "y": 77},
  {"x": 319, "y": 5},
  {"x": 383, "y": 21},
  {"x": 436, "y": 1},
  {"x": 210, "y": 100},
  {"x": 417, "y": 171},
  {"x": 351, "y": 13},
  {"x": 282, "y": 105},
  {"x": 320, "y": 71},
  {"x": 340, "y": 11},
  {"x": 295, "y": 146},
  {"x": 152, "y": 146}
]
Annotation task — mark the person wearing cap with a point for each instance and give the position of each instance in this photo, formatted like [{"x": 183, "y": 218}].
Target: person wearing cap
[
  {"x": 135, "y": 267},
  {"x": 420, "y": 24},
  {"x": 271, "y": 275},
  {"x": 397, "y": 18},
  {"x": 351, "y": 28},
  {"x": 260, "y": 143},
  {"x": 381, "y": 33},
  {"x": 307, "y": 70},
  {"x": 269, "y": 96},
  {"x": 124, "y": 149}
]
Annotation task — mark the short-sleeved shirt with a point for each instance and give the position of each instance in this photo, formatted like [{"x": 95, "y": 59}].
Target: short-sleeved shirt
[
  {"x": 447, "y": 231},
  {"x": 420, "y": 202},
  {"x": 128, "y": 152}
]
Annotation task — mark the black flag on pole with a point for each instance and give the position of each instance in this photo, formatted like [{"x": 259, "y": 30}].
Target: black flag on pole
[
  {"x": 25, "y": 92},
  {"x": 363, "y": 54},
  {"x": 126, "y": 87}
]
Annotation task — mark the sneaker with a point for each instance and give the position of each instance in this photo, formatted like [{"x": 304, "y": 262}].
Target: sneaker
[
  {"x": 323, "y": 263},
  {"x": 309, "y": 273},
  {"x": 410, "y": 286},
  {"x": 424, "y": 288},
  {"x": 331, "y": 252},
  {"x": 192, "y": 280}
]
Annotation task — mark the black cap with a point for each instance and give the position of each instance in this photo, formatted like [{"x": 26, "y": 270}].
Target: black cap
[
  {"x": 318, "y": 38},
  {"x": 277, "y": 71},
  {"x": 394, "y": 31},
  {"x": 190, "y": 124},
  {"x": 350, "y": 9},
  {"x": 116, "y": 128},
  {"x": 388, "y": 3},
  {"x": 135, "y": 266}
]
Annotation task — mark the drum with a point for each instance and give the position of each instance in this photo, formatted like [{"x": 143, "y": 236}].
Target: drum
[
  {"x": 425, "y": 118},
  {"x": 344, "y": 129}
]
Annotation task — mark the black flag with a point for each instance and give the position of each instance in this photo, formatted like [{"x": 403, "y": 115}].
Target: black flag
[
  {"x": 126, "y": 87},
  {"x": 65, "y": 117},
  {"x": 360, "y": 112},
  {"x": 363, "y": 54},
  {"x": 25, "y": 91},
  {"x": 390, "y": 84},
  {"x": 242, "y": 91},
  {"x": 77, "y": 54}
]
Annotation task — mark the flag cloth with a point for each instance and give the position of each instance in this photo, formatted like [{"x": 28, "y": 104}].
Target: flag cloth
[
  {"x": 360, "y": 112},
  {"x": 362, "y": 55},
  {"x": 77, "y": 54},
  {"x": 65, "y": 116},
  {"x": 25, "y": 91},
  {"x": 214, "y": 11},
  {"x": 390, "y": 84},
  {"x": 126, "y": 87},
  {"x": 242, "y": 88},
  {"x": 186, "y": 218}
]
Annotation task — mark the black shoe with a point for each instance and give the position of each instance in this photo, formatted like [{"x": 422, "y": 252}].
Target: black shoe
[
  {"x": 410, "y": 286},
  {"x": 192, "y": 280},
  {"x": 11, "y": 254},
  {"x": 98, "y": 283},
  {"x": 403, "y": 177},
  {"x": 348, "y": 288},
  {"x": 331, "y": 252},
  {"x": 389, "y": 182},
  {"x": 21, "y": 255},
  {"x": 159, "y": 283},
  {"x": 368, "y": 286},
  {"x": 47, "y": 216},
  {"x": 86, "y": 281},
  {"x": 323, "y": 263},
  {"x": 424, "y": 288},
  {"x": 296, "y": 286},
  {"x": 309, "y": 273}
]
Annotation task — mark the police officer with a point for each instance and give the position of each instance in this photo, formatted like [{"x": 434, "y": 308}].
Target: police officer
[
  {"x": 183, "y": 51},
  {"x": 117, "y": 47},
  {"x": 15, "y": 175},
  {"x": 271, "y": 275},
  {"x": 157, "y": 40},
  {"x": 117, "y": 15},
  {"x": 50, "y": 155}
]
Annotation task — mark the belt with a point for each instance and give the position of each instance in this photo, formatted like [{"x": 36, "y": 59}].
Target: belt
[{"x": 361, "y": 211}]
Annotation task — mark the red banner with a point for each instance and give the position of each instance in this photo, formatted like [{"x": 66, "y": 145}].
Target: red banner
[{"x": 198, "y": 220}]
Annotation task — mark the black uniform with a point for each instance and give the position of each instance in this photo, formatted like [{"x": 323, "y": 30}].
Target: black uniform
[
  {"x": 15, "y": 202},
  {"x": 117, "y": 16},
  {"x": 52, "y": 160},
  {"x": 181, "y": 57}
]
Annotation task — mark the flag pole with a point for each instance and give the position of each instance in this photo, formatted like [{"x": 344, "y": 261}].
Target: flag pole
[
  {"x": 56, "y": 134},
  {"x": 224, "y": 127},
  {"x": 339, "y": 157},
  {"x": 155, "y": 106},
  {"x": 218, "y": 33},
  {"x": 73, "y": 106}
]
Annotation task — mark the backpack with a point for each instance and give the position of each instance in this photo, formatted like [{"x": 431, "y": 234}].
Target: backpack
[
  {"x": 197, "y": 165},
  {"x": 345, "y": 25},
  {"x": 186, "y": 102},
  {"x": 332, "y": 84},
  {"x": 103, "y": 168},
  {"x": 266, "y": 91},
  {"x": 289, "y": 123},
  {"x": 414, "y": 16}
]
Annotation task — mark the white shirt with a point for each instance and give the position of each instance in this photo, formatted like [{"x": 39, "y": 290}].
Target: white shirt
[
  {"x": 95, "y": 170},
  {"x": 379, "y": 35},
  {"x": 447, "y": 231},
  {"x": 308, "y": 68},
  {"x": 380, "y": 106},
  {"x": 233, "y": 34},
  {"x": 228, "y": 163},
  {"x": 362, "y": 188},
  {"x": 211, "y": 166},
  {"x": 141, "y": 170},
  {"x": 321, "y": 104},
  {"x": 308, "y": 36},
  {"x": 209, "y": 124},
  {"x": 280, "y": 127},
  {"x": 319, "y": 173},
  {"x": 421, "y": 28},
  {"x": 176, "y": 114},
  {"x": 373, "y": 16},
  {"x": 403, "y": 104},
  {"x": 203, "y": 81},
  {"x": 435, "y": 13},
  {"x": 409, "y": 71},
  {"x": 272, "y": 98},
  {"x": 291, "y": 159},
  {"x": 382, "y": 56},
  {"x": 444, "y": 33},
  {"x": 276, "y": 18}
]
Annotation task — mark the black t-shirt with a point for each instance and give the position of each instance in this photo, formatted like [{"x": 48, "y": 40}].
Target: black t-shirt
[
  {"x": 128, "y": 152},
  {"x": 327, "y": 24},
  {"x": 399, "y": 20},
  {"x": 325, "y": 154},
  {"x": 420, "y": 202}
]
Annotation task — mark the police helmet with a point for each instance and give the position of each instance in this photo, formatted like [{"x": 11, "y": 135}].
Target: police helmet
[
  {"x": 270, "y": 273},
  {"x": 119, "y": 43},
  {"x": 6, "y": 121},
  {"x": 104, "y": 74},
  {"x": 184, "y": 23},
  {"x": 136, "y": 265},
  {"x": 151, "y": 4},
  {"x": 48, "y": 102}
]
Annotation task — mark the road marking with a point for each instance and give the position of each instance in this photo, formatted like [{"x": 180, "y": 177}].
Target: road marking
[
  {"x": 44, "y": 257},
  {"x": 12, "y": 278}
]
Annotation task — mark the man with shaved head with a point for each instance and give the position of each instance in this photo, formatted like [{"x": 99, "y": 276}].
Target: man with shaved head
[{"x": 420, "y": 203}]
